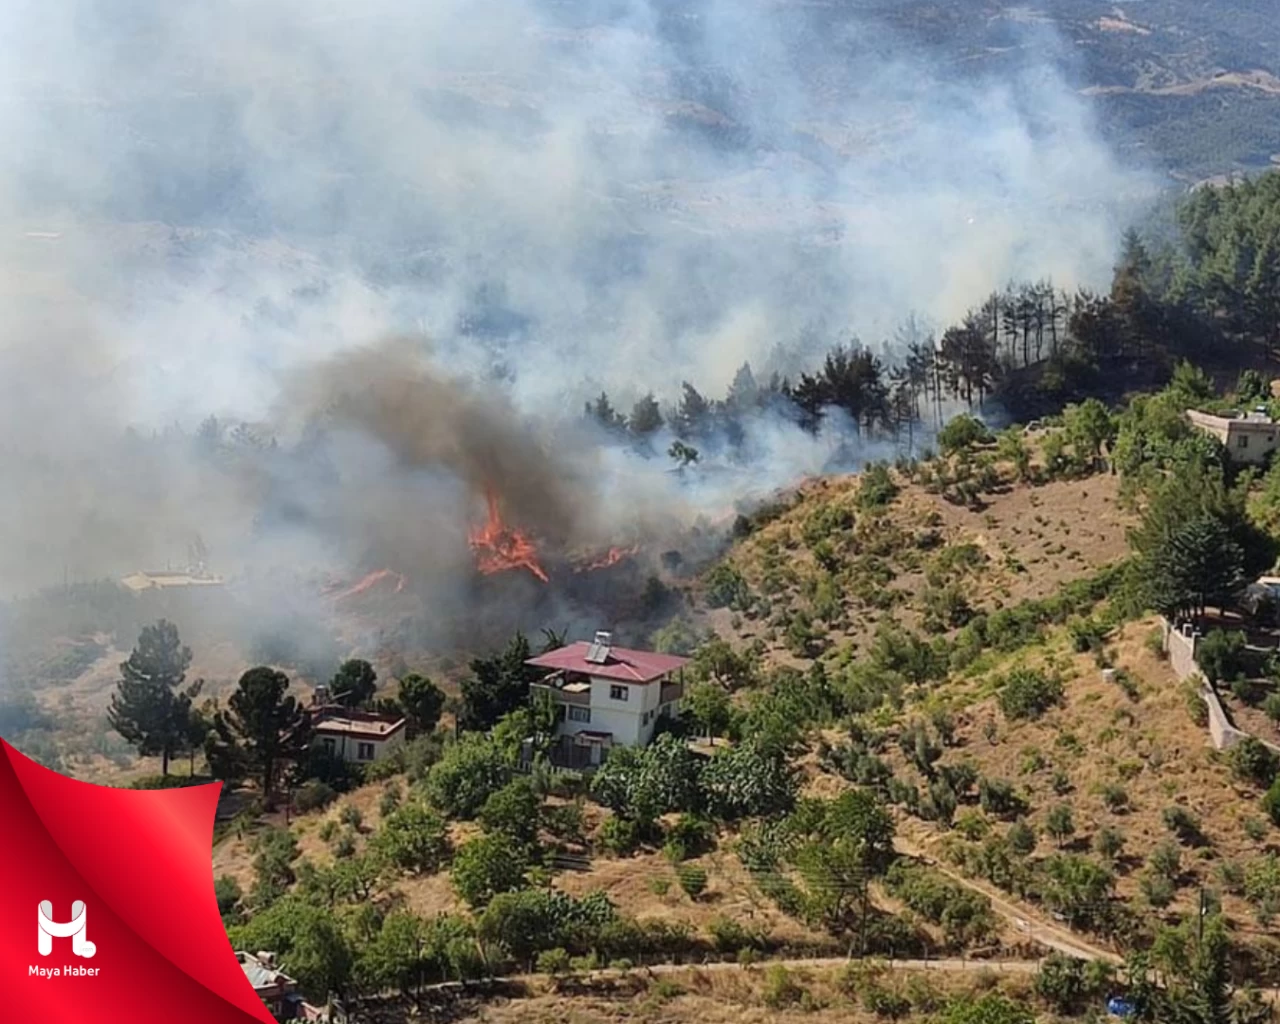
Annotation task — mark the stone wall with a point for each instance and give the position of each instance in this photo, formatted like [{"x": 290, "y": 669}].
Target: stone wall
[{"x": 1180, "y": 646}]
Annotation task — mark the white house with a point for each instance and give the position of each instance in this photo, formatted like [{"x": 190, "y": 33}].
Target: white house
[
  {"x": 1248, "y": 438},
  {"x": 356, "y": 736},
  {"x": 608, "y": 696}
]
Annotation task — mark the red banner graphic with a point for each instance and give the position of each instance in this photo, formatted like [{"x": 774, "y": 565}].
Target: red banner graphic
[{"x": 107, "y": 910}]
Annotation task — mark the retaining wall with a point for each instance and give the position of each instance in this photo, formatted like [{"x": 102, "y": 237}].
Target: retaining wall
[{"x": 1180, "y": 646}]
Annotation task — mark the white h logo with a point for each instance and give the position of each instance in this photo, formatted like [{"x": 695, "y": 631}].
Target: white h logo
[{"x": 49, "y": 929}]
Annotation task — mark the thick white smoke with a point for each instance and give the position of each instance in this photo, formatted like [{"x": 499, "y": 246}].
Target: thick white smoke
[{"x": 197, "y": 202}]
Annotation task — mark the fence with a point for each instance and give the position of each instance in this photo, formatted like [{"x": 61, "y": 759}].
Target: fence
[{"x": 1180, "y": 647}]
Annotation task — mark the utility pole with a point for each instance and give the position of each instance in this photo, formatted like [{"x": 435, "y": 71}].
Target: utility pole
[{"x": 1200, "y": 918}]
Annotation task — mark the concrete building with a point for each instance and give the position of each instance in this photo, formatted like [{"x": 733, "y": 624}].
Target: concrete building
[
  {"x": 139, "y": 582},
  {"x": 358, "y": 737},
  {"x": 608, "y": 696},
  {"x": 280, "y": 992},
  {"x": 1248, "y": 438}
]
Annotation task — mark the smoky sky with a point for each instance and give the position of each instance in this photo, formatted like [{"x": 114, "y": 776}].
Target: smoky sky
[{"x": 201, "y": 204}]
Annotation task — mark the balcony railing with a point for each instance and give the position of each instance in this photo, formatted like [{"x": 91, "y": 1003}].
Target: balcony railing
[
  {"x": 671, "y": 691},
  {"x": 580, "y": 698}
]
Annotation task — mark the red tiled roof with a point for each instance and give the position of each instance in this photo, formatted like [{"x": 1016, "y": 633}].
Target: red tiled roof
[{"x": 622, "y": 664}]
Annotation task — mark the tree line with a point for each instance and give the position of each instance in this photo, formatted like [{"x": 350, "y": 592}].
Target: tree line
[{"x": 1210, "y": 289}]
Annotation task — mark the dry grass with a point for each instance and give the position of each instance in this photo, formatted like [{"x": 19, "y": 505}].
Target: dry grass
[
  {"x": 1031, "y": 540},
  {"x": 1149, "y": 746},
  {"x": 740, "y": 996}
]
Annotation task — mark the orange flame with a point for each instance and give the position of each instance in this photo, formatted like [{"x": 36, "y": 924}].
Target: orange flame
[
  {"x": 611, "y": 557},
  {"x": 372, "y": 580},
  {"x": 499, "y": 547}
]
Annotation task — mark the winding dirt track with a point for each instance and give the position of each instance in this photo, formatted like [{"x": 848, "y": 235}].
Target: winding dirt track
[{"x": 1036, "y": 927}]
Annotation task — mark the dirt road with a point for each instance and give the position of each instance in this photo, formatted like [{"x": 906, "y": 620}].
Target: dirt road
[{"x": 1035, "y": 926}]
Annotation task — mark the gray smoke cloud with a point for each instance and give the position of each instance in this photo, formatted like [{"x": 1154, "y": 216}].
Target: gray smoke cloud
[{"x": 221, "y": 209}]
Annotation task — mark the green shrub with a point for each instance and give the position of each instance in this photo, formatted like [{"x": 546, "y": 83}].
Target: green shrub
[
  {"x": 1022, "y": 838},
  {"x": 729, "y": 936},
  {"x": 486, "y": 866},
  {"x": 946, "y": 608},
  {"x": 1108, "y": 842},
  {"x": 1252, "y": 761},
  {"x": 989, "y": 1008},
  {"x": 727, "y": 588},
  {"x": 876, "y": 488},
  {"x": 972, "y": 826},
  {"x": 690, "y": 836},
  {"x": 565, "y": 821},
  {"x": 1262, "y": 884},
  {"x": 998, "y": 797},
  {"x": 1231, "y": 877},
  {"x": 389, "y": 800},
  {"x": 344, "y": 846},
  {"x": 692, "y": 879},
  {"x": 1060, "y": 823},
  {"x": 780, "y": 990},
  {"x": 553, "y": 961},
  {"x": 1184, "y": 824},
  {"x": 228, "y": 894},
  {"x": 884, "y": 1002},
  {"x": 620, "y": 836},
  {"x": 513, "y": 810},
  {"x": 965, "y": 916},
  {"x": 963, "y": 432},
  {"x": 1271, "y": 802},
  {"x": 1222, "y": 655},
  {"x": 1165, "y": 860},
  {"x": 1027, "y": 694},
  {"x": 1114, "y": 796},
  {"x": 328, "y": 829},
  {"x": 462, "y": 780},
  {"x": 351, "y": 817},
  {"x": 1156, "y": 889},
  {"x": 413, "y": 839}
]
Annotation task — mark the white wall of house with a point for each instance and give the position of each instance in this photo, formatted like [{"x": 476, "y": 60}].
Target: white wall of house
[
  {"x": 631, "y": 721},
  {"x": 363, "y": 749},
  {"x": 1246, "y": 440}
]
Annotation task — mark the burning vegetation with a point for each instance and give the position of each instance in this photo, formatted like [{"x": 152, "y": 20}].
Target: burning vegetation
[{"x": 499, "y": 547}]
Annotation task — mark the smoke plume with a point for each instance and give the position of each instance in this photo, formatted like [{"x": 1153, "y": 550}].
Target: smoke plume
[{"x": 220, "y": 209}]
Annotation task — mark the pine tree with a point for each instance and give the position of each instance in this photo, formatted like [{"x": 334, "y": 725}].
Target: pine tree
[
  {"x": 692, "y": 414},
  {"x": 497, "y": 685},
  {"x": 603, "y": 412},
  {"x": 147, "y": 709},
  {"x": 354, "y": 684},
  {"x": 1200, "y": 565},
  {"x": 744, "y": 392},
  {"x": 422, "y": 701},
  {"x": 263, "y": 728},
  {"x": 646, "y": 417}
]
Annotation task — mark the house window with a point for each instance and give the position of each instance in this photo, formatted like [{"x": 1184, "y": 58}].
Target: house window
[
  {"x": 330, "y": 745},
  {"x": 617, "y": 693},
  {"x": 1243, "y": 442},
  {"x": 364, "y": 752},
  {"x": 577, "y": 714}
]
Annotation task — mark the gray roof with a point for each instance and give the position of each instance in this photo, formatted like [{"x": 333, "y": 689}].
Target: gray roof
[{"x": 260, "y": 976}]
